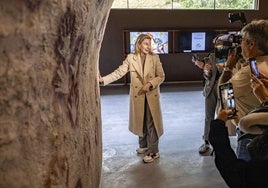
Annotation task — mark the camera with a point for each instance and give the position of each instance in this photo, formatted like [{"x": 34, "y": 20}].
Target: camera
[
  {"x": 239, "y": 16},
  {"x": 227, "y": 42},
  {"x": 231, "y": 40}
]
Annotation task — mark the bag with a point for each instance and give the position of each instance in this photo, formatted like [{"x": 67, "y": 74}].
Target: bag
[{"x": 256, "y": 121}]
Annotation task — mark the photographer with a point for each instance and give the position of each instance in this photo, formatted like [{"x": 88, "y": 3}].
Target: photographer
[
  {"x": 238, "y": 172},
  {"x": 254, "y": 39},
  {"x": 211, "y": 75},
  {"x": 254, "y": 122}
]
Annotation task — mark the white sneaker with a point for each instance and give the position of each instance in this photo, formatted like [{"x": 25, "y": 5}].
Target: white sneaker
[
  {"x": 151, "y": 157},
  {"x": 141, "y": 150},
  {"x": 204, "y": 148}
]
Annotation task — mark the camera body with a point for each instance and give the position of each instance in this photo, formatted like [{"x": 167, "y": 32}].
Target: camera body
[
  {"x": 238, "y": 16},
  {"x": 227, "y": 42},
  {"x": 230, "y": 40}
]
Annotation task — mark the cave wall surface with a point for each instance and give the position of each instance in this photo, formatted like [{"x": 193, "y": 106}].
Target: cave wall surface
[{"x": 50, "y": 121}]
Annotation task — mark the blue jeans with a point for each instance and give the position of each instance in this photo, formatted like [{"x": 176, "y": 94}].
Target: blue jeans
[{"x": 241, "y": 150}]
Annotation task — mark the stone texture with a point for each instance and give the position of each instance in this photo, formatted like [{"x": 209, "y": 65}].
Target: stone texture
[{"x": 50, "y": 123}]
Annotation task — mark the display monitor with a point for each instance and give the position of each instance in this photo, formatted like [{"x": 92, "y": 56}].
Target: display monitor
[
  {"x": 196, "y": 41},
  {"x": 159, "y": 41}
]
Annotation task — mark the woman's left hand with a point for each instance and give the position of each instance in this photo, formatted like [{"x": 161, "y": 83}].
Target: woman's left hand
[{"x": 145, "y": 88}]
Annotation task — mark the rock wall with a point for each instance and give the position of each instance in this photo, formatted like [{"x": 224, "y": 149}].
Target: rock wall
[{"x": 50, "y": 122}]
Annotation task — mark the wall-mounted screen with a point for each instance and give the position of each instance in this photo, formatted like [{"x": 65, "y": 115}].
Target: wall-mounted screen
[
  {"x": 198, "y": 41},
  {"x": 159, "y": 41},
  {"x": 191, "y": 41}
]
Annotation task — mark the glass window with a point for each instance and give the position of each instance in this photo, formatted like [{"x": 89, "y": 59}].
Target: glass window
[
  {"x": 150, "y": 4},
  {"x": 193, "y": 4},
  {"x": 123, "y": 4},
  {"x": 185, "y": 4},
  {"x": 235, "y": 4}
]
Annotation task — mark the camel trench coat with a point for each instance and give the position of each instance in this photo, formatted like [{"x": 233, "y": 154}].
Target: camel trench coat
[{"x": 153, "y": 72}]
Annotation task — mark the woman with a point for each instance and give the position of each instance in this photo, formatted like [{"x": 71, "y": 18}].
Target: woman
[{"x": 146, "y": 74}]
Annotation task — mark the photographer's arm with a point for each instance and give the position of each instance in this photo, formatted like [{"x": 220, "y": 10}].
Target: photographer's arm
[
  {"x": 198, "y": 63},
  {"x": 229, "y": 65},
  {"x": 225, "y": 76},
  {"x": 231, "y": 169}
]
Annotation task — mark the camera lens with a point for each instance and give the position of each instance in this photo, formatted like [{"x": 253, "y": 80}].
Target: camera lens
[{"x": 231, "y": 38}]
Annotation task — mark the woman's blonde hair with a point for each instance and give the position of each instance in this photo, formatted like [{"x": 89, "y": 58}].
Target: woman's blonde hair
[{"x": 139, "y": 40}]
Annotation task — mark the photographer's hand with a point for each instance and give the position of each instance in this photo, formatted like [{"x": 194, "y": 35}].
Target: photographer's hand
[
  {"x": 224, "y": 113},
  {"x": 194, "y": 59},
  {"x": 207, "y": 71},
  {"x": 198, "y": 63},
  {"x": 232, "y": 59},
  {"x": 259, "y": 88},
  {"x": 220, "y": 67}
]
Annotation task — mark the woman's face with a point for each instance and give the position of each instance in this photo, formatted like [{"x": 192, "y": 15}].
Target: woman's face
[{"x": 145, "y": 46}]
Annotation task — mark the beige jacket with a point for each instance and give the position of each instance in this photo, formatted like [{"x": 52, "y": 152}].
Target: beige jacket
[
  {"x": 153, "y": 73},
  {"x": 244, "y": 96}
]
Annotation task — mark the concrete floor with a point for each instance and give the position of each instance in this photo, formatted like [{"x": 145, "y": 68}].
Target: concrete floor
[{"x": 179, "y": 165}]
